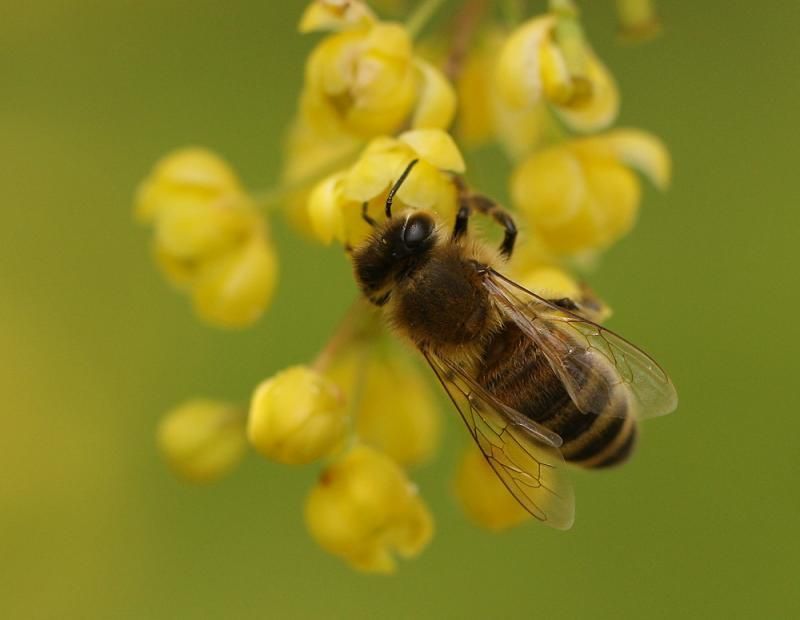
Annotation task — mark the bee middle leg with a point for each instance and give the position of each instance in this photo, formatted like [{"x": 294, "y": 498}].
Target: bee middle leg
[
  {"x": 566, "y": 303},
  {"x": 468, "y": 201}
]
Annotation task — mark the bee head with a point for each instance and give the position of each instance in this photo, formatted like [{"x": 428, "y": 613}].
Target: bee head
[{"x": 393, "y": 252}]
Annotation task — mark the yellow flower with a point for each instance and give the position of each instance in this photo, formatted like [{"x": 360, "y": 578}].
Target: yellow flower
[
  {"x": 336, "y": 202},
  {"x": 582, "y": 195},
  {"x": 533, "y": 68},
  {"x": 202, "y": 439},
  {"x": 483, "y": 114},
  {"x": 209, "y": 237},
  {"x": 364, "y": 510},
  {"x": 367, "y": 82},
  {"x": 335, "y": 15},
  {"x": 297, "y": 416},
  {"x": 396, "y": 410},
  {"x": 483, "y": 496}
]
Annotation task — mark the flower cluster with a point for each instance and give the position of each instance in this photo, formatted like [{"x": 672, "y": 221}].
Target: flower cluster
[
  {"x": 209, "y": 237},
  {"x": 372, "y": 101}
]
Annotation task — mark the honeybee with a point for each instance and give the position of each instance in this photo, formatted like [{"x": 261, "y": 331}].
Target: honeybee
[{"x": 535, "y": 381}]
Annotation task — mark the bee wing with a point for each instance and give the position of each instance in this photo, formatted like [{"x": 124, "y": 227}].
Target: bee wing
[
  {"x": 523, "y": 454},
  {"x": 596, "y": 366}
]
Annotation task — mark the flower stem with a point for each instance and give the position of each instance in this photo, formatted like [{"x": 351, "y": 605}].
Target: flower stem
[
  {"x": 360, "y": 321},
  {"x": 421, "y": 16},
  {"x": 465, "y": 24},
  {"x": 514, "y": 12}
]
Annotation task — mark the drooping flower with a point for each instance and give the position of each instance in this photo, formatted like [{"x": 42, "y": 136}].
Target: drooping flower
[
  {"x": 209, "y": 236},
  {"x": 582, "y": 195},
  {"x": 364, "y": 510},
  {"x": 335, "y": 205},
  {"x": 366, "y": 81},
  {"x": 202, "y": 440}
]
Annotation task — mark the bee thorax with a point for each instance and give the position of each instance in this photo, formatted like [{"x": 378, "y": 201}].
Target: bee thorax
[{"x": 443, "y": 304}]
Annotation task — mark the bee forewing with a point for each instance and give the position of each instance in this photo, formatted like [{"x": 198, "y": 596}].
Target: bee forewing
[{"x": 595, "y": 365}]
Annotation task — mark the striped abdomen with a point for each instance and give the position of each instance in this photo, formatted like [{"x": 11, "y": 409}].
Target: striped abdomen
[{"x": 515, "y": 371}]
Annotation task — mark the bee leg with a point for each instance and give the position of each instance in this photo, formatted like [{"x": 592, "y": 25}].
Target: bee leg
[
  {"x": 462, "y": 219},
  {"x": 468, "y": 201},
  {"x": 464, "y": 209},
  {"x": 366, "y": 217},
  {"x": 501, "y": 216},
  {"x": 566, "y": 303},
  {"x": 396, "y": 186}
]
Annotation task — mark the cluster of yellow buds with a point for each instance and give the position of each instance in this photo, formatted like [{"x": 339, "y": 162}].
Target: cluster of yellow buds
[
  {"x": 209, "y": 237},
  {"x": 370, "y": 104},
  {"x": 363, "y": 507}
]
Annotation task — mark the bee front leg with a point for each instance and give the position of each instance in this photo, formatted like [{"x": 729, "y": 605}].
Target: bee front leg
[
  {"x": 489, "y": 207},
  {"x": 467, "y": 201}
]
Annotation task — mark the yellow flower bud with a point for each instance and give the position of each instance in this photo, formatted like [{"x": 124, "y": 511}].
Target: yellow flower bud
[
  {"x": 396, "y": 410},
  {"x": 234, "y": 289},
  {"x": 550, "y": 283},
  {"x": 335, "y": 15},
  {"x": 202, "y": 440},
  {"x": 638, "y": 20},
  {"x": 336, "y": 202},
  {"x": 190, "y": 175},
  {"x": 364, "y": 510},
  {"x": 483, "y": 496},
  {"x": 297, "y": 416},
  {"x": 581, "y": 196},
  {"x": 366, "y": 82}
]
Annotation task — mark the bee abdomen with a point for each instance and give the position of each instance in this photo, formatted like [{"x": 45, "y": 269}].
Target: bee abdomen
[{"x": 518, "y": 374}]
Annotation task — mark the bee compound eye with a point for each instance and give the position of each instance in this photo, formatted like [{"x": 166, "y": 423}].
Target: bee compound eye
[{"x": 417, "y": 230}]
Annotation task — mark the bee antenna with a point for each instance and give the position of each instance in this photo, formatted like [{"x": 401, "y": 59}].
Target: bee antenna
[{"x": 396, "y": 186}]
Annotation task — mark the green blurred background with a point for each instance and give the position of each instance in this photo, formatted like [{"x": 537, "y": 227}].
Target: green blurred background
[{"x": 95, "y": 346}]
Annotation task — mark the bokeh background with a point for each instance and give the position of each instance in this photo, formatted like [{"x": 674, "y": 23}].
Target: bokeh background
[{"x": 94, "y": 346}]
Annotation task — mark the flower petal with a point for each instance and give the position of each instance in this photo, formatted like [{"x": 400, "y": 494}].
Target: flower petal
[
  {"x": 645, "y": 153},
  {"x": 436, "y": 102},
  {"x": 325, "y": 209},
  {"x": 518, "y": 71},
  {"x": 335, "y": 15},
  {"x": 600, "y": 109},
  {"x": 436, "y": 147}
]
